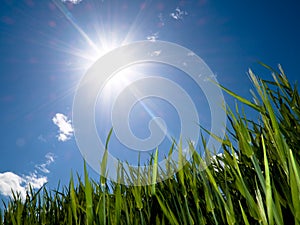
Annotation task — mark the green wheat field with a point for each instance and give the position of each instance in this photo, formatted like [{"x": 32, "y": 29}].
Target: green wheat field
[{"x": 255, "y": 181}]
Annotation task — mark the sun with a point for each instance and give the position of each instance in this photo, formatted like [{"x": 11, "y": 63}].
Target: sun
[{"x": 98, "y": 39}]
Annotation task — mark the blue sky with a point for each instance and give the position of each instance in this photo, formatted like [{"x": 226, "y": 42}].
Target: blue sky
[{"x": 46, "y": 47}]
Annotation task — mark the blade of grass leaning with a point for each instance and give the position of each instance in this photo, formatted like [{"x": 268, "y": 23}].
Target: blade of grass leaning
[
  {"x": 260, "y": 205},
  {"x": 166, "y": 210},
  {"x": 295, "y": 186},
  {"x": 279, "y": 142},
  {"x": 180, "y": 167},
  {"x": 103, "y": 164},
  {"x": 73, "y": 199},
  {"x": 239, "y": 98},
  {"x": 246, "y": 221},
  {"x": 268, "y": 189},
  {"x": 118, "y": 197},
  {"x": 88, "y": 198},
  {"x": 154, "y": 169}
]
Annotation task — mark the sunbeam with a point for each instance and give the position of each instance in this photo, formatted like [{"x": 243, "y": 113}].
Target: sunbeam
[{"x": 72, "y": 20}]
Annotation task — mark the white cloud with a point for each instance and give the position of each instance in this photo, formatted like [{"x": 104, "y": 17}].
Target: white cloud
[
  {"x": 153, "y": 37},
  {"x": 72, "y": 1},
  {"x": 178, "y": 14},
  {"x": 49, "y": 160},
  {"x": 10, "y": 181},
  {"x": 50, "y": 157},
  {"x": 65, "y": 127},
  {"x": 35, "y": 181}
]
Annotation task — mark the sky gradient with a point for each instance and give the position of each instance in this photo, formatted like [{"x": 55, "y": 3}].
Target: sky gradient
[{"x": 46, "y": 47}]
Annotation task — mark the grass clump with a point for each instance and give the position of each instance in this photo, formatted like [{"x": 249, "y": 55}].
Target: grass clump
[{"x": 256, "y": 180}]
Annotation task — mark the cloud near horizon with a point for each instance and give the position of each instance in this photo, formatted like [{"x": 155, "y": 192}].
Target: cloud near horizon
[
  {"x": 10, "y": 181},
  {"x": 65, "y": 127}
]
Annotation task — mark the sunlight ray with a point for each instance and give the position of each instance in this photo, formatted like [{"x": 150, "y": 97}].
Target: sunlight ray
[
  {"x": 72, "y": 20},
  {"x": 137, "y": 93},
  {"x": 133, "y": 26}
]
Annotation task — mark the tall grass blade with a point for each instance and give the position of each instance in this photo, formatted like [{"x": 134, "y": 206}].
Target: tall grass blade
[{"x": 88, "y": 197}]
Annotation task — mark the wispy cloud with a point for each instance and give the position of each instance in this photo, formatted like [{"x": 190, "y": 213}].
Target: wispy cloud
[
  {"x": 10, "y": 181},
  {"x": 49, "y": 160},
  {"x": 178, "y": 14},
  {"x": 153, "y": 37},
  {"x": 65, "y": 127},
  {"x": 35, "y": 181},
  {"x": 72, "y": 1}
]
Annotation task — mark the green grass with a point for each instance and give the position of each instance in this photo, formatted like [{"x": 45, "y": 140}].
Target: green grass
[{"x": 255, "y": 181}]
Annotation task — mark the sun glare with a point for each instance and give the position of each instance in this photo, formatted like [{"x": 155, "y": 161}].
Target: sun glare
[
  {"x": 97, "y": 42},
  {"x": 117, "y": 82}
]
